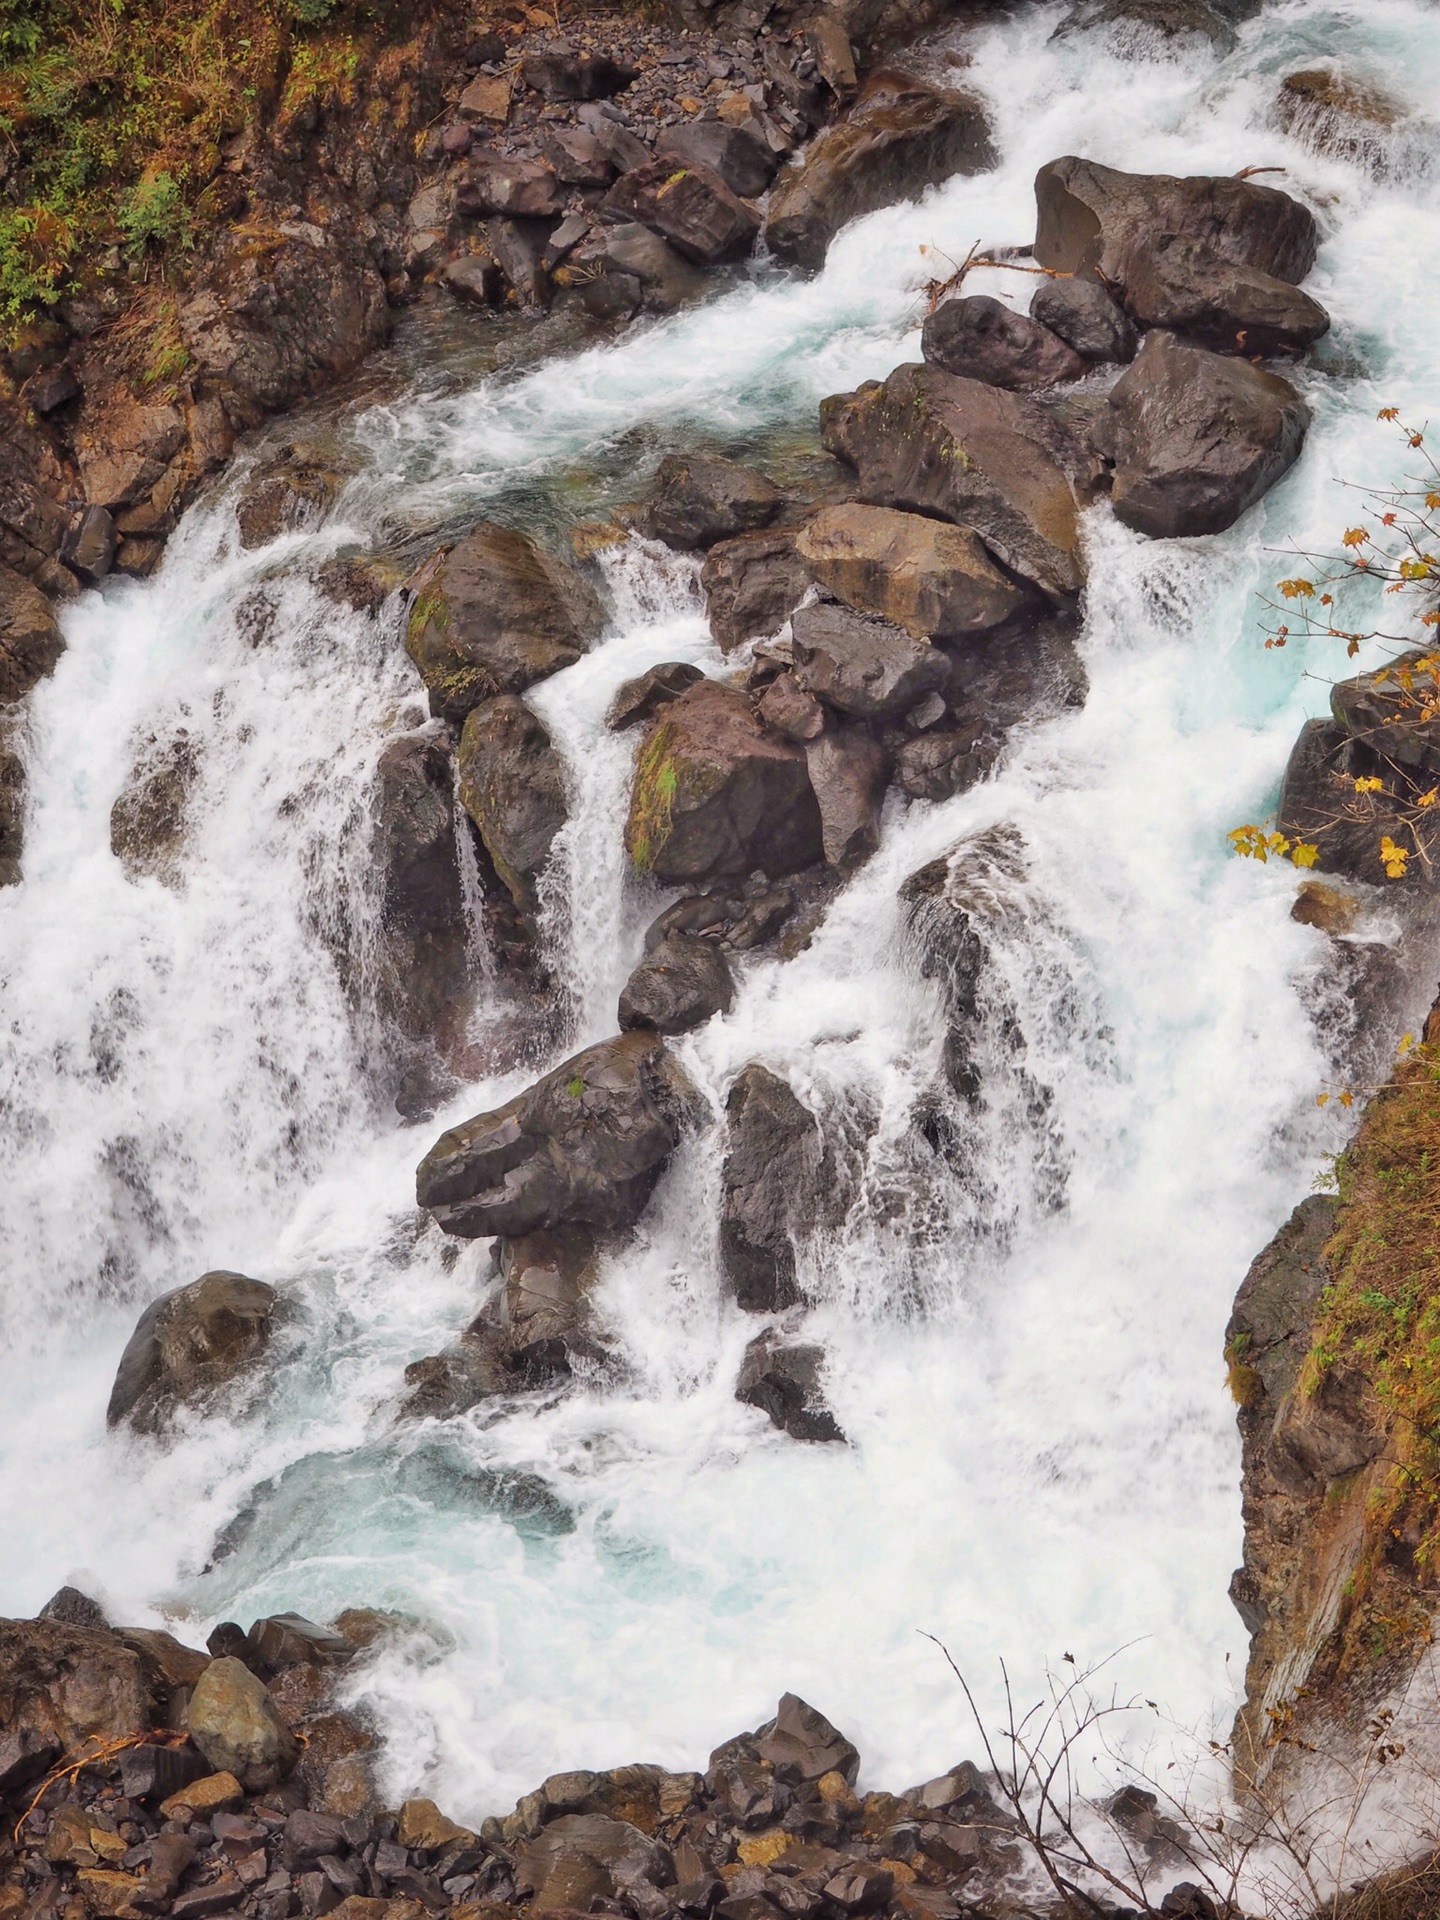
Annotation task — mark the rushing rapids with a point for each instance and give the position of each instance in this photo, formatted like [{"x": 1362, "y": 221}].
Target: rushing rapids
[{"x": 1022, "y": 1349}]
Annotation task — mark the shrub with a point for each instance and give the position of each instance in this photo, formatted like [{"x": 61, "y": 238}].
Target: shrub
[{"x": 154, "y": 210}]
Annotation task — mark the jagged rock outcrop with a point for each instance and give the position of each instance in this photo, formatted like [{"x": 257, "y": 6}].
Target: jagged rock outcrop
[
  {"x": 584, "y": 1146},
  {"x": 900, "y": 135},
  {"x": 189, "y": 1344}
]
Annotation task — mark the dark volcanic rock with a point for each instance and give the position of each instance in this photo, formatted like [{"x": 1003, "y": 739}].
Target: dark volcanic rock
[
  {"x": 570, "y": 76},
  {"x": 925, "y": 575},
  {"x": 423, "y": 905},
  {"x": 983, "y": 339},
  {"x": 690, "y": 207},
  {"x": 714, "y": 793},
  {"x": 678, "y": 985},
  {"x": 697, "y": 499},
  {"x": 493, "y": 615},
  {"x": 1319, "y": 805},
  {"x": 583, "y": 1859},
  {"x": 774, "y": 1188},
  {"x": 1391, "y": 713},
  {"x": 638, "y": 699},
  {"x": 1196, "y": 438},
  {"x": 548, "y": 1275},
  {"x": 742, "y": 163},
  {"x": 1141, "y": 28},
  {"x": 512, "y": 785},
  {"x": 782, "y": 1378},
  {"x": 901, "y": 135},
  {"x": 583, "y": 1146},
  {"x": 1086, "y": 317},
  {"x": 752, "y": 584},
  {"x": 863, "y": 665},
  {"x": 1181, "y": 283},
  {"x": 493, "y": 182},
  {"x": 187, "y": 1344},
  {"x": 849, "y": 771},
  {"x": 1090, "y": 216},
  {"x": 618, "y": 271},
  {"x": 929, "y": 442},
  {"x": 939, "y": 764},
  {"x": 802, "y": 1746},
  {"x": 30, "y": 638}
]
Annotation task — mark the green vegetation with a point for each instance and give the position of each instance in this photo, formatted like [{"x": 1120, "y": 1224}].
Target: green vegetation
[
  {"x": 1380, "y": 1317},
  {"x": 114, "y": 119}
]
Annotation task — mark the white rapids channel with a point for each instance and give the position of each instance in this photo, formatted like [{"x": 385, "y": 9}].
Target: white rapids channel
[{"x": 1044, "y": 1457}]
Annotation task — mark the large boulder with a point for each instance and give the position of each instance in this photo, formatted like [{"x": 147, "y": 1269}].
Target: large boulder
[
  {"x": 188, "y": 1344},
  {"x": 930, "y": 442},
  {"x": 746, "y": 167},
  {"x": 236, "y": 1725},
  {"x": 512, "y": 785},
  {"x": 548, "y": 1276},
  {"x": 30, "y": 637},
  {"x": 1089, "y": 218},
  {"x": 900, "y": 135},
  {"x": 1175, "y": 281},
  {"x": 1392, "y": 712},
  {"x": 680, "y": 984},
  {"x": 933, "y": 579},
  {"x": 700, "y": 498},
  {"x": 1196, "y": 437},
  {"x": 1321, "y": 806},
  {"x": 690, "y": 207},
  {"x": 618, "y": 271},
  {"x": 862, "y": 665},
  {"x": 493, "y": 182},
  {"x": 64, "y": 1691},
  {"x": 752, "y": 585},
  {"x": 849, "y": 772},
  {"x": 423, "y": 914},
  {"x": 783, "y": 1378},
  {"x": 1087, "y": 317},
  {"x": 584, "y": 1860},
  {"x": 774, "y": 1189},
  {"x": 494, "y": 614},
  {"x": 983, "y": 339},
  {"x": 715, "y": 793},
  {"x": 583, "y": 1146}
]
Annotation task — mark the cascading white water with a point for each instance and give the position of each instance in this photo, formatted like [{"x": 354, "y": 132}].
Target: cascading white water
[{"x": 1043, "y": 1457}]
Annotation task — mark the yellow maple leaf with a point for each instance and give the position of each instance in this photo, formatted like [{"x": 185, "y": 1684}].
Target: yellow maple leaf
[{"x": 1394, "y": 859}]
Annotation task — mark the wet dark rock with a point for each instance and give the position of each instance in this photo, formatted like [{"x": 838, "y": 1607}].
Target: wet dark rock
[
  {"x": 930, "y": 442},
  {"x": 521, "y": 249},
  {"x": 476, "y": 279},
  {"x": 697, "y": 499},
  {"x": 155, "y": 1773},
  {"x": 859, "y": 664},
  {"x": 900, "y": 135},
  {"x": 493, "y": 182},
  {"x": 544, "y": 1322},
  {"x": 290, "y": 1640},
  {"x": 89, "y": 547},
  {"x": 1174, "y": 281},
  {"x": 849, "y": 771},
  {"x": 1388, "y": 713},
  {"x": 30, "y": 638},
  {"x": 72, "y": 1608},
  {"x": 624, "y": 146},
  {"x": 774, "y": 1188},
  {"x": 710, "y": 913},
  {"x": 12, "y": 803},
  {"x": 791, "y": 711},
  {"x": 1151, "y": 28},
  {"x": 1196, "y": 438},
  {"x": 642, "y": 697},
  {"x": 679, "y": 985},
  {"x": 234, "y": 1723},
  {"x": 512, "y": 785},
  {"x": 1320, "y": 806},
  {"x": 752, "y": 584},
  {"x": 494, "y": 614},
  {"x": 1090, "y": 216},
  {"x": 739, "y": 159},
  {"x": 938, "y": 765},
  {"x": 925, "y": 575},
  {"x": 292, "y": 493},
  {"x": 714, "y": 793},
  {"x": 585, "y": 1145},
  {"x": 582, "y": 1859},
  {"x": 1086, "y": 317},
  {"x": 782, "y": 1378},
  {"x": 983, "y": 339},
  {"x": 690, "y": 207},
  {"x": 422, "y": 900},
  {"x": 149, "y": 816},
  {"x": 616, "y": 273},
  {"x": 63, "y": 1690},
  {"x": 188, "y": 1344},
  {"x": 569, "y": 76}
]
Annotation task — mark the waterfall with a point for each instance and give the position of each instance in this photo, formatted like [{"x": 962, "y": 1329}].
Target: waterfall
[{"x": 1024, "y": 1335}]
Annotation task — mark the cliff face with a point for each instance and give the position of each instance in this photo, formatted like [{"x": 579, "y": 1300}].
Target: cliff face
[{"x": 1334, "y": 1355}]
